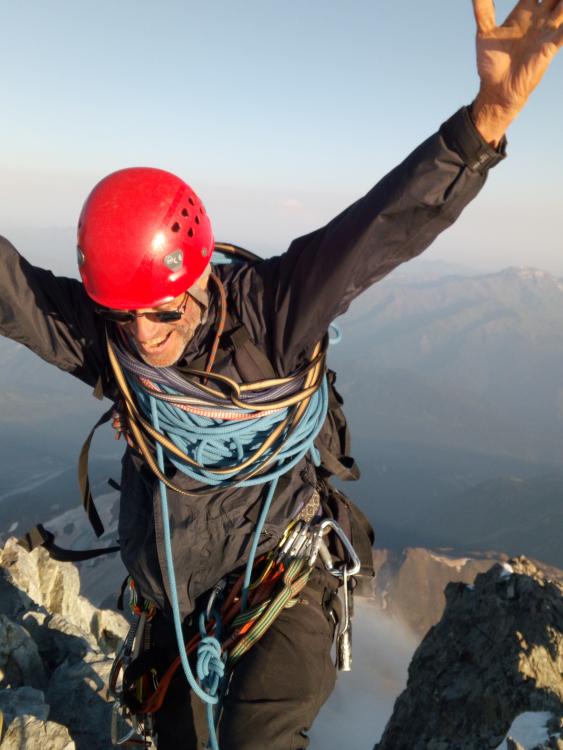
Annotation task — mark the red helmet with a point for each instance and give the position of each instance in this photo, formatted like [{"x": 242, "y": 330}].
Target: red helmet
[{"x": 143, "y": 238}]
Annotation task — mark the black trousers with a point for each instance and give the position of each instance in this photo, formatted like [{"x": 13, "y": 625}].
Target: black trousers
[{"x": 276, "y": 689}]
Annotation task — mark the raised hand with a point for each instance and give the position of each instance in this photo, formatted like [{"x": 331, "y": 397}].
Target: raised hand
[{"x": 512, "y": 58}]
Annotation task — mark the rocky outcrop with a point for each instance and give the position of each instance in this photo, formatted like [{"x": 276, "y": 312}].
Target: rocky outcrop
[
  {"x": 496, "y": 653},
  {"x": 409, "y": 585},
  {"x": 55, "y": 588},
  {"x": 55, "y": 656},
  {"x": 25, "y": 713}
]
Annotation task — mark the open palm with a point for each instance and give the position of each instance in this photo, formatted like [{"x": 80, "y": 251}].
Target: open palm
[{"x": 512, "y": 58}]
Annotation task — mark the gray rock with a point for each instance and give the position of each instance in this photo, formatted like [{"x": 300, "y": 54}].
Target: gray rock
[
  {"x": 513, "y": 744},
  {"x": 496, "y": 653},
  {"x": 109, "y": 629},
  {"x": 54, "y": 639},
  {"x": 55, "y": 587},
  {"x": 23, "y": 701},
  {"x": 29, "y": 733},
  {"x": 438, "y": 745},
  {"x": 77, "y": 697},
  {"x": 48, "y": 583},
  {"x": 409, "y": 585},
  {"x": 20, "y": 663}
]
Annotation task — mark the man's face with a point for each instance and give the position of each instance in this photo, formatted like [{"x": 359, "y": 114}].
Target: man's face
[{"x": 162, "y": 344}]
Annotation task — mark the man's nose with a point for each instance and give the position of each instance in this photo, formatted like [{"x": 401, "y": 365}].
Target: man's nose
[{"x": 143, "y": 329}]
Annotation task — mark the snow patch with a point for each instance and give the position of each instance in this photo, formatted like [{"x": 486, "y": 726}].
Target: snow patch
[
  {"x": 529, "y": 729},
  {"x": 507, "y": 570},
  {"x": 452, "y": 562},
  {"x": 531, "y": 273}
]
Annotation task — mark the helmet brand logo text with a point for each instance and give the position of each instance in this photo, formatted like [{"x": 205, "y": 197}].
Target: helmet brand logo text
[{"x": 174, "y": 260}]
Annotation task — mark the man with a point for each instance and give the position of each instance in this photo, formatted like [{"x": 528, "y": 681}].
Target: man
[{"x": 144, "y": 248}]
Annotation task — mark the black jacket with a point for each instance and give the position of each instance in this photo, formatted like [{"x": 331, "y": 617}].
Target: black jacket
[{"x": 286, "y": 303}]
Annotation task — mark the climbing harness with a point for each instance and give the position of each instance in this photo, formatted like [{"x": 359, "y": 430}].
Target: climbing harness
[{"x": 279, "y": 577}]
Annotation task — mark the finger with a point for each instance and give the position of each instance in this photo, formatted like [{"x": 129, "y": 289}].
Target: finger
[
  {"x": 557, "y": 15},
  {"x": 521, "y": 11},
  {"x": 548, "y": 5},
  {"x": 484, "y": 11}
]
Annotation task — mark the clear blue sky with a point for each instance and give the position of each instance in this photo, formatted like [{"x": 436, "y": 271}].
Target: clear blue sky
[{"x": 279, "y": 114}]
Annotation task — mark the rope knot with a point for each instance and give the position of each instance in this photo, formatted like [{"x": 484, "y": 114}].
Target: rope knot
[{"x": 210, "y": 665}]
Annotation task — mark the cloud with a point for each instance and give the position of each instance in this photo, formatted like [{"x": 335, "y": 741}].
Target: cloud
[
  {"x": 292, "y": 204},
  {"x": 358, "y": 710}
]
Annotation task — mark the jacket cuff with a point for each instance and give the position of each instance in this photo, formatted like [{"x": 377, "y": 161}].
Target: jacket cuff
[{"x": 461, "y": 135}]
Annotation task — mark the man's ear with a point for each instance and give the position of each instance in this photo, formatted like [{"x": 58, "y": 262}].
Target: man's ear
[
  {"x": 204, "y": 278},
  {"x": 198, "y": 290}
]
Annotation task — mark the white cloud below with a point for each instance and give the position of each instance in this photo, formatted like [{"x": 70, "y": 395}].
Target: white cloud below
[{"x": 358, "y": 710}]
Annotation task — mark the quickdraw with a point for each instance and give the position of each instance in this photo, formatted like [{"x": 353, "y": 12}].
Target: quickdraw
[{"x": 128, "y": 727}]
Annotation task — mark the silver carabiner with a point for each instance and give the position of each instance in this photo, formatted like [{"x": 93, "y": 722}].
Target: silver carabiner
[
  {"x": 287, "y": 545},
  {"x": 344, "y": 640},
  {"x": 323, "y": 528},
  {"x": 216, "y": 591},
  {"x": 123, "y": 725},
  {"x": 122, "y": 659}
]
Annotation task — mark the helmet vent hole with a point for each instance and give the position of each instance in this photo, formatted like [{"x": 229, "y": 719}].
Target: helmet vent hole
[
  {"x": 185, "y": 212},
  {"x": 175, "y": 227},
  {"x": 196, "y": 219},
  {"x": 190, "y": 232},
  {"x": 191, "y": 201}
]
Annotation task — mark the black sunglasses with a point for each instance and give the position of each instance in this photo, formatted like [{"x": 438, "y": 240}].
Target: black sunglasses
[{"x": 122, "y": 317}]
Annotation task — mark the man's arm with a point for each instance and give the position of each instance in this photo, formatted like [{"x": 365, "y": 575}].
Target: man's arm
[
  {"x": 321, "y": 273},
  {"x": 303, "y": 290},
  {"x": 50, "y": 315}
]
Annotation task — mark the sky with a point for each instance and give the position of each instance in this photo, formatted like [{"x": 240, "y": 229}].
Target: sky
[{"x": 278, "y": 114}]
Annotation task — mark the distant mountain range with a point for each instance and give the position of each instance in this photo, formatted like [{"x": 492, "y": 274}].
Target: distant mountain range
[
  {"x": 513, "y": 514},
  {"x": 472, "y": 362}
]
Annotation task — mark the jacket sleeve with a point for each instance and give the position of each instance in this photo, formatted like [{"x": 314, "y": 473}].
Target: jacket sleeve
[
  {"x": 321, "y": 273},
  {"x": 50, "y": 315}
]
